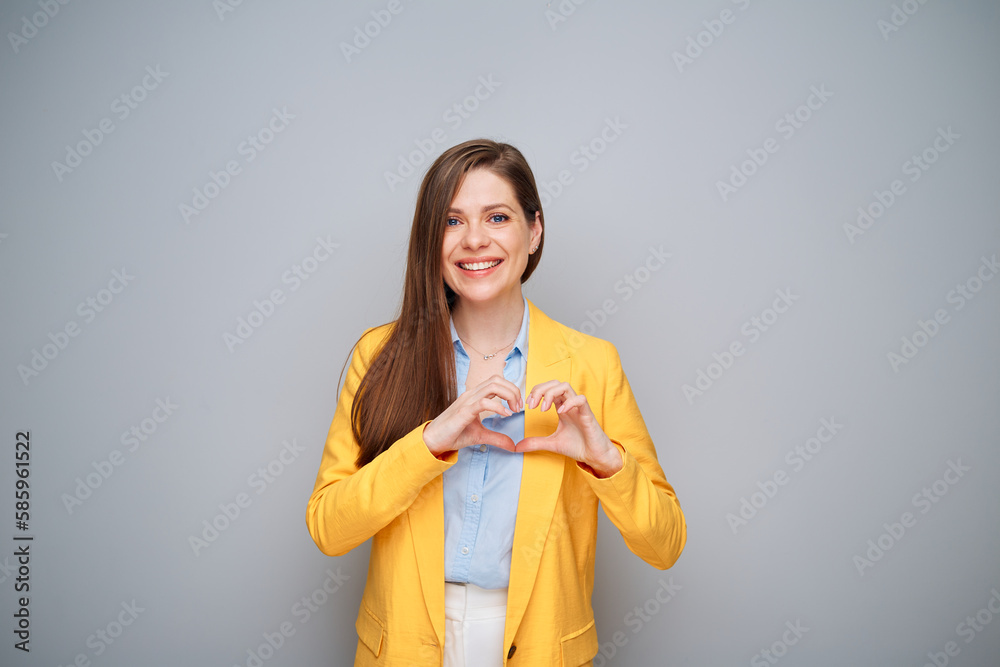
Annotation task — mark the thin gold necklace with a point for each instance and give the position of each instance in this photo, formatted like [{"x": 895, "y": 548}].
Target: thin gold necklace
[{"x": 487, "y": 357}]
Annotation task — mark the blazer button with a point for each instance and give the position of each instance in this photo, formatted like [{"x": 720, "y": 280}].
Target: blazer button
[{"x": 510, "y": 653}]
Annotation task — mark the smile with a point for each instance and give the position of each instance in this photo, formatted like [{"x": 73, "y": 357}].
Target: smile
[{"x": 479, "y": 266}]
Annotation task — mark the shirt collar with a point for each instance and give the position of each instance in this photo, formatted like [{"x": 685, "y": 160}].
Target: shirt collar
[{"x": 521, "y": 344}]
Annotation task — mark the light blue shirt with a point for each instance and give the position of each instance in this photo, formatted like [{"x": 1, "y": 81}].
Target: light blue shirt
[{"x": 482, "y": 488}]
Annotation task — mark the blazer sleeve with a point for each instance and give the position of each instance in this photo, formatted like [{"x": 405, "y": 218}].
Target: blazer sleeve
[
  {"x": 348, "y": 505},
  {"x": 638, "y": 499}
]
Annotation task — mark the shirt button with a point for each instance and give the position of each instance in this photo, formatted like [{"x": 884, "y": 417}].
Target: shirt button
[
  {"x": 475, "y": 498},
  {"x": 465, "y": 550},
  {"x": 482, "y": 448}
]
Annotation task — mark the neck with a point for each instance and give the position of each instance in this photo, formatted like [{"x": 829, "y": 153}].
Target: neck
[{"x": 489, "y": 326}]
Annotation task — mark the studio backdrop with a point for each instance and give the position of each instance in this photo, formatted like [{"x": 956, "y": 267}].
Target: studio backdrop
[{"x": 784, "y": 215}]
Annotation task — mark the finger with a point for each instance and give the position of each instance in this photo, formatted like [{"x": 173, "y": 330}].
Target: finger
[
  {"x": 499, "y": 388},
  {"x": 494, "y": 405},
  {"x": 499, "y": 440},
  {"x": 473, "y": 406},
  {"x": 578, "y": 401},
  {"x": 560, "y": 390},
  {"x": 466, "y": 413},
  {"x": 530, "y": 445},
  {"x": 503, "y": 442},
  {"x": 535, "y": 395},
  {"x": 495, "y": 381},
  {"x": 538, "y": 444}
]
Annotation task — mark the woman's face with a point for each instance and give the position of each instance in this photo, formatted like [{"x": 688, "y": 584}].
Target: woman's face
[{"x": 487, "y": 239}]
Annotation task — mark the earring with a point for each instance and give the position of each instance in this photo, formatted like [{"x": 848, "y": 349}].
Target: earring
[{"x": 533, "y": 250}]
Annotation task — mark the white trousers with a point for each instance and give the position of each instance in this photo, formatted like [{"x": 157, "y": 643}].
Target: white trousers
[{"x": 473, "y": 625}]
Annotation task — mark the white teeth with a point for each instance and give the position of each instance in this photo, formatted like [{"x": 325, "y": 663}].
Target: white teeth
[{"x": 479, "y": 266}]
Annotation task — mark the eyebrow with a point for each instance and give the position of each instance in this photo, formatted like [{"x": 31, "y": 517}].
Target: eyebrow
[{"x": 488, "y": 207}]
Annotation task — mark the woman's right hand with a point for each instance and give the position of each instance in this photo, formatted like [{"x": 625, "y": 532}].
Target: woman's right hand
[{"x": 459, "y": 425}]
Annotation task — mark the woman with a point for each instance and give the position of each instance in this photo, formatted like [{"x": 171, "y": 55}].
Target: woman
[{"x": 473, "y": 439}]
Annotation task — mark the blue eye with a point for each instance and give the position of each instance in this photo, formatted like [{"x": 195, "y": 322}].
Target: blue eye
[
  {"x": 449, "y": 221},
  {"x": 502, "y": 217}
]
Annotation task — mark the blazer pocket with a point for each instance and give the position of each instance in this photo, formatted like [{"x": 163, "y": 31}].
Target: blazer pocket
[
  {"x": 370, "y": 629},
  {"x": 579, "y": 647}
]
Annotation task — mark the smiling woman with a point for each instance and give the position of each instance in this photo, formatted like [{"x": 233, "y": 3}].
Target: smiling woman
[
  {"x": 450, "y": 438},
  {"x": 485, "y": 249}
]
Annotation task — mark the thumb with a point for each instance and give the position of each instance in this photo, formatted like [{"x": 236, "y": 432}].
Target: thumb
[
  {"x": 533, "y": 444},
  {"x": 486, "y": 436}
]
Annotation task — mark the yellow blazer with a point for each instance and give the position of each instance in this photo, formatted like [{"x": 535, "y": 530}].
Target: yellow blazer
[{"x": 397, "y": 501}]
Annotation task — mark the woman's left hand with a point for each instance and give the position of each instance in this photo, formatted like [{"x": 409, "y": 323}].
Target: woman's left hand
[{"x": 578, "y": 434}]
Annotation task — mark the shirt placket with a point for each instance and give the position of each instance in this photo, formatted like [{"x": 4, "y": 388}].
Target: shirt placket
[
  {"x": 478, "y": 470},
  {"x": 473, "y": 508}
]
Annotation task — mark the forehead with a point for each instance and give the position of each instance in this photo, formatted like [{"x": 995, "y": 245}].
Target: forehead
[{"x": 481, "y": 185}]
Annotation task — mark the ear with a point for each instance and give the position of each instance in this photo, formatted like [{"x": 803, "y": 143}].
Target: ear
[{"x": 536, "y": 229}]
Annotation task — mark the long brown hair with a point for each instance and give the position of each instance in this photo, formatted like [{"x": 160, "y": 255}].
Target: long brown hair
[{"x": 412, "y": 378}]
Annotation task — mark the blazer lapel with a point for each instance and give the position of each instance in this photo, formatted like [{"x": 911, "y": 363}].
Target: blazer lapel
[
  {"x": 542, "y": 472},
  {"x": 427, "y": 527}
]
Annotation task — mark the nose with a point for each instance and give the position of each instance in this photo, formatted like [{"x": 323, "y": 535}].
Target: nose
[{"x": 475, "y": 236}]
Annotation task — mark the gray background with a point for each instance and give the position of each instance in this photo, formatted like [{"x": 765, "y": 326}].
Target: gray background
[{"x": 556, "y": 85}]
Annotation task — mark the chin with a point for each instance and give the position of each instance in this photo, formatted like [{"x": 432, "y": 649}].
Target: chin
[{"x": 481, "y": 296}]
